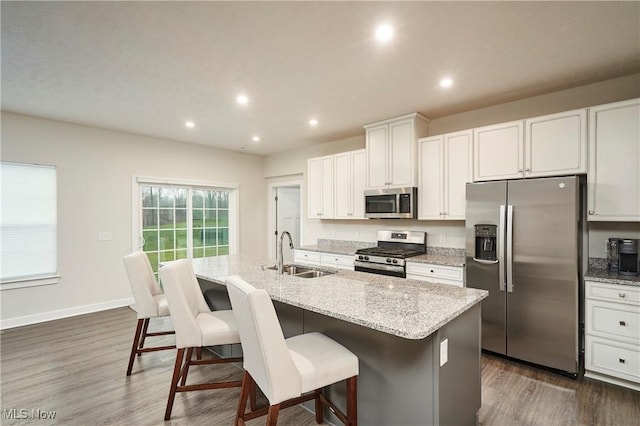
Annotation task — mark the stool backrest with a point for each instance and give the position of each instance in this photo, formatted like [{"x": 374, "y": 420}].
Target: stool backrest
[
  {"x": 185, "y": 300},
  {"x": 265, "y": 352},
  {"x": 143, "y": 284}
]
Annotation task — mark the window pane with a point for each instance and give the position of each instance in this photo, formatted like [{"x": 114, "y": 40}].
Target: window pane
[
  {"x": 223, "y": 199},
  {"x": 196, "y": 199},
  {"x": 150, "y": 240},
  {"x": 210, "y": 237},
  {"x": 223, "y": 218},
  {"x": 153, "y": 259},
  {"x": 149, "y": 218},
  {"x": 149, "y": 196},
  {"x": 181, "y": 254},
  {"x": 181, "y": 238},
  {"x": 223, "y": 236},
  {"x": 210, "y": 251},
  {"x": 181, "y": 197},
  {"x": 198, "y": 235},
  {"x": 199, "y": 252},
  {"x": 210, "y": 218},
  {"x": 166, "y": 240},
  {"x": 166, "y": 197},
  {"x": 210, "y": 199},
  {"x": 167, "y": 256},
  {"x": 222, "y": 250},
  {"x": 166, "y": 218},
  {"x": 197, "y": 219},
  {"x": 181, "y": 218}
]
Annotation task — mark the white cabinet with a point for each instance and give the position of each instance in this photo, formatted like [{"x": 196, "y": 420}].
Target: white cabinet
[
  {"x": 320, "y": 187},
  {"x": 556, "y": 144},
  {"x": 614, "y": 162},
  {"x": 349, "y": 184},
  {"x": 612, "y": 333},
  {"x": 452, "y": 275},
  {"x": 392, "y": 151},
  {"x": 306, "y": 257},
  {"x": 549, "y": 145},
  {"x": 498, "y": 151},
  {"x": 338, "y": 261},
  {"x": 445, "y": 166}
]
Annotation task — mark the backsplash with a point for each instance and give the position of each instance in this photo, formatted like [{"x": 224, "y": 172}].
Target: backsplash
[
  {"x": 597, "y": 263},
  {"x": 439, "y": 251}
]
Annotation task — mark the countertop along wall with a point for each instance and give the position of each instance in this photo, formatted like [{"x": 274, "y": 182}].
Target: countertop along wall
[
  {"x": 452, "y": 232},
  {"x": 95, "y": 168}
]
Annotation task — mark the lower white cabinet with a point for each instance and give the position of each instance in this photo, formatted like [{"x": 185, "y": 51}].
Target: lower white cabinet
[
  {"x": 329, "y": 260},
  {"x": 612, "y": 333},
  {"x": 452, "y": 275}
]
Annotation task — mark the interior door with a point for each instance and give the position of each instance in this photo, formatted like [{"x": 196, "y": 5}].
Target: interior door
[{"x": 288, "y": 218}]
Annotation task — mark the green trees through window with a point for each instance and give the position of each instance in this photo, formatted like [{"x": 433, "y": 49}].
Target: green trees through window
[{"x": 179, "y": 223}]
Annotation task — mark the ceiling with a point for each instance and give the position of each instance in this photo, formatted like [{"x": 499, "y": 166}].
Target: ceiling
[{"x": 147, "y": 67}]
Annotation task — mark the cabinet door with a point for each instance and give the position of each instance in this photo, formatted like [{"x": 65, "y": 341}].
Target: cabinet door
[
  {"x": 498, "y": 151},
  {"x": 358, "y": 182},
  {"x": 327, "y": 187},
  {"x": 377, "y": 157},
  {"x": 342, "y": 185},
  {"x": 314, "y": 188},
  {"x": 458, "y": 170},
  {"x": 556, "y": 144},
  {"x": 401, "y": 154},
  {"x": 614, "y": 165},
  {"x": 431, "y": 178}
]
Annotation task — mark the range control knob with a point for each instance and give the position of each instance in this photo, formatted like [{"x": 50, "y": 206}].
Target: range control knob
[
  {"x": 360, "y": 257},
  {"x": 366, "y": 258},
  {"x": 388, "y": 260},
  {"x": 395, "y": 260}
]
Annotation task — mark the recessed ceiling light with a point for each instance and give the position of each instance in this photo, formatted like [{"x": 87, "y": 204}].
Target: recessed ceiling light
[
  {"x": 242, "y": 99},
  {"x": 446, "y": 82},
  {"x": 190, "y": 124},
  {"x": 384, "y": 33},
  {"x": 313, "y": 122},
  {"x": 256, "y": 138}
]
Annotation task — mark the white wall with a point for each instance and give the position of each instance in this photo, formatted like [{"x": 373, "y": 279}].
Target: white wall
[
  {"x": 95, "y": 169},
  {"x": 293, "y": 162}
]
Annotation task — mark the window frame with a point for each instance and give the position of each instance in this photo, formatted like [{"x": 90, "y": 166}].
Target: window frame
[{"x": 136, "y": 203}]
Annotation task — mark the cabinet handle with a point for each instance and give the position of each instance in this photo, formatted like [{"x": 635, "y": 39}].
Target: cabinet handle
[
  {"x": 623, "y": 323},
  {"x": 527, "y": 170},
  {"x": 432, "y": 271},
  {"x": 621, "y": 360},
  {"x": 622, "y": 295},
  {"x": 519, "y": 170},
  {"x": 591, "y": 212}
]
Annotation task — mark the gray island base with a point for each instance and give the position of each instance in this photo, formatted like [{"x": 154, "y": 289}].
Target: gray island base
[{"x": 418, "y": 343}]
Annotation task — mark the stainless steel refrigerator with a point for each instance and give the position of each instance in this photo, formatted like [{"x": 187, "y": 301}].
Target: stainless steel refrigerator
[{"x": 524, "y": 245}]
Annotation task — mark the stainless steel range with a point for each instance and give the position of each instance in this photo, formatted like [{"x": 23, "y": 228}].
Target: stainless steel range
[{"x": 388, "y": 258}]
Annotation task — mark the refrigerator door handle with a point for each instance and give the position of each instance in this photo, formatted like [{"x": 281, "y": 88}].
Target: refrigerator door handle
[
  {"x": 485, "y": 262},
  {"x": 500, "y": 249},
  {"x": 510, "y": 248}
]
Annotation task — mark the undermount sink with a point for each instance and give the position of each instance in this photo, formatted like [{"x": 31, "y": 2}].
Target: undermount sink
[{"x": 302, "y": 271}]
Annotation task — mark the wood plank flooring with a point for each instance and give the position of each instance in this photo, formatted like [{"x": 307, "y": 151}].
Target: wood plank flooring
[{"x": 76, "y": 367}]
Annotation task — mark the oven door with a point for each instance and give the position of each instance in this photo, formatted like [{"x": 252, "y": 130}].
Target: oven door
[{"x": 380, "y": 269}]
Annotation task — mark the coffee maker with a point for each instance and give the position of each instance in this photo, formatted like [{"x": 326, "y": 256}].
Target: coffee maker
[{"x": 622, "y": 256}]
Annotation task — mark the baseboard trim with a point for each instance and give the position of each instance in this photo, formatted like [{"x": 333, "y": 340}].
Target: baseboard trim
[{"x": 63, "y": 313}]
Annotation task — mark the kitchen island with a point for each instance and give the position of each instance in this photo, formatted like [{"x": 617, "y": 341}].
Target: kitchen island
[{"x": 418, "y": 343}]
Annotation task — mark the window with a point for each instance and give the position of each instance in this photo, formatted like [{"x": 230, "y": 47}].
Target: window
[
  {"x": 179, "y": 221},
  {"x": 28, "y": 244}
]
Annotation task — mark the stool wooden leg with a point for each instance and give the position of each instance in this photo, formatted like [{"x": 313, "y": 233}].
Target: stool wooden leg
[
  {"x": 134, "y": 347},
  {"x": 244, "y": 394},
  {"x": 352, "y": 401},
  {"x": 252, "y": 395},
  {"x": 272, "y": 415},
  {"x": 144, "y": 334},
  {"x": 185, "y": 369},
  {"x": 198, "y": 353},
  {"x": 319, "y": 406},
  {"x": 174, "y": 383}
]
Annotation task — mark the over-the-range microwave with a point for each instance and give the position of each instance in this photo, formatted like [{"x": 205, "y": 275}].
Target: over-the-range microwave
[{"x": 391, "y": 203}]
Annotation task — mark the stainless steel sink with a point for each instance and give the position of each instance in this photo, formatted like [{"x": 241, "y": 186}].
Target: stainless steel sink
[{"x": 302, "y": 271}]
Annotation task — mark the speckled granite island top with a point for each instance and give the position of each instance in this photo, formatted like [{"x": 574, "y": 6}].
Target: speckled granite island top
[{"x": 406, "y": 308}]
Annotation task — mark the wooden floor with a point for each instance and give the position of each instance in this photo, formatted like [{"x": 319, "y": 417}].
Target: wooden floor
[{"x": 76, "y": 368}]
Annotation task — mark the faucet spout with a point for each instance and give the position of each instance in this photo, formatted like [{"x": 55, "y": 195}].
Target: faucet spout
[{"x": 280, "y": 254}]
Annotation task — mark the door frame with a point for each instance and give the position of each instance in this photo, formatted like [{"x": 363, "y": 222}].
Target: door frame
[{"x": 271, "y": 216}]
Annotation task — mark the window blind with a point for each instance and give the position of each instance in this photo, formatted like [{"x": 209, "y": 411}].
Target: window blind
[{"x": 28, "y": 220}]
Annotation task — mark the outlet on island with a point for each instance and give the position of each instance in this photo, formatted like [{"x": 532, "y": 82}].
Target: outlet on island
[{"x": 443, "y": 238}]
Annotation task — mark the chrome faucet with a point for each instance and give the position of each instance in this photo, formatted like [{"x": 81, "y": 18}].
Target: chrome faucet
[{"x": 280, "y": 254}]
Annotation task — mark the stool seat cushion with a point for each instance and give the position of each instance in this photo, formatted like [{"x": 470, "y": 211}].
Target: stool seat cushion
[
  {"x": 218, "y": 328},
  {"x": 163, "y": 305},
  {"x": 321, "y": 360}
]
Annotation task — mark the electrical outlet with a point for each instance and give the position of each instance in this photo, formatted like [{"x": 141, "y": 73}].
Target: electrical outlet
[
  {"x": 444, "y": 352},
  {"x": 443, "y": 238},
  {"x": 104, "y": 236}
]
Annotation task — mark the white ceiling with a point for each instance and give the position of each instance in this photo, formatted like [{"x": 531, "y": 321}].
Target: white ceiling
[{"x": 147, "y": 67}]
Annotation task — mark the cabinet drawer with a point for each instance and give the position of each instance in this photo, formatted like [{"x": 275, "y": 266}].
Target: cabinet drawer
[
  {"x": 613, "y": 358},
  {"x": 613, "y": 293},
  {"x": 336, "y": 261},
  {"x": 435, "y": 271},
  {"x": 614, "y": 321},
  {"x": 309, "y": 257}
]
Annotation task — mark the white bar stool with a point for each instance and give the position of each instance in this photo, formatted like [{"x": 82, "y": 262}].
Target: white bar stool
[
  {"x": 196, "y": 327},
  {"x": 288, "y": 371},
  {"x": 149, "y": 303}
]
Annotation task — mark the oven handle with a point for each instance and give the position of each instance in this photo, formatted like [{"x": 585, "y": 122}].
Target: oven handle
[{"x": 377, "y": 266}]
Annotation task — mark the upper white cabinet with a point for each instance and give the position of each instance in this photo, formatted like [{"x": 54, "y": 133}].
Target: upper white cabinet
[
  {"x": 549, "y": 145},
  {"x": 320, "y": 188},
  {"x": 349, "y": 184},
  {"x": 614, "y": 164},
  {"x": 445, "y": 167},
  {"x": 498, "y": 151},
  {"x": 556, "y": 144},
  {"x": 392, "y": 151}
]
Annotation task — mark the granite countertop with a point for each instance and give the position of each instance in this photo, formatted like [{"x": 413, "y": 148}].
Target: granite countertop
[
  {"x": 406, "y": 308},
  {"x": 604, "y": 276},
  {"x": 439, "y": 259},
  {"x": 333, "y": 249}
]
